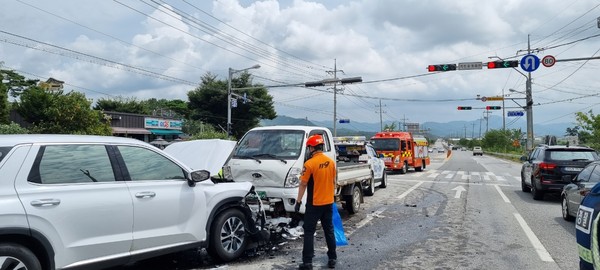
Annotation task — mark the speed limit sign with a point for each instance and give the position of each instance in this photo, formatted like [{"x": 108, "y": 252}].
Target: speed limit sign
[{"x": 548, "y": 61}]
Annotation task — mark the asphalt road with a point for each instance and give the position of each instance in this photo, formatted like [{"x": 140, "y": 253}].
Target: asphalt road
[{"x": 462, "y": 212}]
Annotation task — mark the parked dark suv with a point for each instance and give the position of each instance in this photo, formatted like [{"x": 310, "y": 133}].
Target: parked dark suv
[{"x": 550, "y": 167}]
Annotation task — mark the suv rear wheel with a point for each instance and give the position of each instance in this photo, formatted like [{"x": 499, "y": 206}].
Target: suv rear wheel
[
  {"x": 537, "y": 194},
  {"x": 524, "y": 186},
  {"x": 565, "y": 210},
  {"x": 228, "y": 239},
  {"x": 18, "y": 257}
]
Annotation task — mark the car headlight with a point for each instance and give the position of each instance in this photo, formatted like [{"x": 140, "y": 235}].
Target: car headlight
[
  {"x": 227, "y": 172},
  {"x": 293, "y": 177}
]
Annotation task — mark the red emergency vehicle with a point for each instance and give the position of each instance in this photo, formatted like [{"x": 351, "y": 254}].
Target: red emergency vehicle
[{"x": 401, "y": 150}]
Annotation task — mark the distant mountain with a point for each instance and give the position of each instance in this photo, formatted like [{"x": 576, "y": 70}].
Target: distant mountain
[{"x": 435, "y": 129}]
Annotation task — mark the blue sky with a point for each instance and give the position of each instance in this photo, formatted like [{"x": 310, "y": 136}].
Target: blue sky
[{"x": 160, "y": 49}]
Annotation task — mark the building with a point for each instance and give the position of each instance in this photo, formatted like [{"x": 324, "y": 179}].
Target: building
[{"x": 145, "y": 127}]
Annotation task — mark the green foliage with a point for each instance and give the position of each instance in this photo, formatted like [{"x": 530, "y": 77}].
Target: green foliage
[
  {"x": 199, "y": 130},
  {"x": 590, "y": 125},
  {"x": 122, "y": 104},
  {"x": 58, "y": 113},
  {"x": 4, "y": 105},
  {"x": 463, "y": 142},
  {"x": 16, "y": 83},
  {"x": 208, "y": 103},
  {"x": 175, "y": 108},
  {"x": 502, "y": 140},
  {"x": 390, "y": 127},
  {"x": 12, "y": 128}
]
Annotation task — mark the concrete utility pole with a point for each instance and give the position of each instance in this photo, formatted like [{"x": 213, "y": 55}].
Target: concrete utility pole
[
  {"x": 334, "y": 97},
  {"x": 529, "y": 105},
  {"x": 472, "y": 130},
  {"x": 380, "y": 116}
]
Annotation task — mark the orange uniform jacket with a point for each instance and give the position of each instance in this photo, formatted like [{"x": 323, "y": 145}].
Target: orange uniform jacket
[{"x": 319, "y": 175}]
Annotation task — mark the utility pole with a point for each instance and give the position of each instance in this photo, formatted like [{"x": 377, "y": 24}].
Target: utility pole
[
  {"x": 465, "y": 131},
  {"x": 334, "y": 97},
  {"x": 503, "y": 112},
  {"x": 380, "y": 116},
  {"x": 480, "y": 126},
  {"x": 404, "y": 122},
  {"x": 529, "y": 105},
  {"x": 487, "y": 120},
  {"x": 472, "y": 130}
]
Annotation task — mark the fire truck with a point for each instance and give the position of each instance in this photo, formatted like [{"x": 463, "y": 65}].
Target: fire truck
[{"x": 401, "y": 150}]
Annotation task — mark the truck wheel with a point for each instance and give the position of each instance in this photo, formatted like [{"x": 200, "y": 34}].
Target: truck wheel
[
  {"x": 370, "y": 190},
  {"x": 383, "y": 183},
  {"x": 420, "y": 168},
  {"x": 16, "y": 256},
  {"x": 353, "y": 201},
  {"x": 228, "y": 239},
  {"x": 404, "y": 168}
]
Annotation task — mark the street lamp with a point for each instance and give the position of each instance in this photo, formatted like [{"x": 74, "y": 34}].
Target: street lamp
[{"x": 231, "y": 72}]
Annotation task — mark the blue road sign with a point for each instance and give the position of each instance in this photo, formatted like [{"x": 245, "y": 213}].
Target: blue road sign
[
  {"x": 530, "y": 62},
  {"x": 342, "y": 121},
  {"x": 515, "y": 113}
]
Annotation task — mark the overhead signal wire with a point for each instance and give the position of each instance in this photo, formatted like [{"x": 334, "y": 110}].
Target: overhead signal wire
[
  {"x": 224, "y": 37},
  {"x": 89, "y": 58},
  {"x": 258, "y": 40},
  {"x": 110, "y": 36}
]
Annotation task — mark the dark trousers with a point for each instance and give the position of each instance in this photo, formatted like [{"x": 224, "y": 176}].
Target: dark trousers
[{"x": 312, "y": 215}]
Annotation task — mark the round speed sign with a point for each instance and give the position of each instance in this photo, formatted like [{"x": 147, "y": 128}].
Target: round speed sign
[{"x": 548, "y": 61}]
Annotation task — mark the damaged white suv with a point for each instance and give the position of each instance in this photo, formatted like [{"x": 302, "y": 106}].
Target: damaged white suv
[{"x": 86, "y": 202}]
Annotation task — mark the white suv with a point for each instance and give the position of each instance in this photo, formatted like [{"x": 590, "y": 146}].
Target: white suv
[{"x": 73, "y": 201}]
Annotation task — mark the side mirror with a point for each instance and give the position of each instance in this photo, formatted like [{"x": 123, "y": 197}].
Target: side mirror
[
  {"x": 198, "y": 176},
  {"x": 381, "y": 156},
  {"x": 524, "y": 158}
]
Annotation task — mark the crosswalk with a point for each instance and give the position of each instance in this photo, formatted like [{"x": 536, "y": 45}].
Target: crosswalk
[{"x": 466, "y": 175}]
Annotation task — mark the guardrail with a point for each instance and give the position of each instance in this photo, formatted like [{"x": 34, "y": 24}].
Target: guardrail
[{"x": 513, "y": 157}]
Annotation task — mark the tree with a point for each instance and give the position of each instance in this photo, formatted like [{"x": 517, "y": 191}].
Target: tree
[
  {"x": 122, "y": 104},
  {"x": 58, "y": 113},
  {"x": 12, "y": 128},
  {"x": 590, "y": 123},
  {"x": 207, "y": 103},
  {"x": 390, "y": 127},
  {"x": 574, "y": 131},
  {"x": 175, "y": 108},
  {"x": 15, "y": 82},
  {"x": 4, "y": 105}
]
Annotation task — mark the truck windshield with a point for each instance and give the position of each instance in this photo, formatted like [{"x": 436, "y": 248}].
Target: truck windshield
[
  {"x": 270, "y": 144},
  {"x": 386, "y": 144}
]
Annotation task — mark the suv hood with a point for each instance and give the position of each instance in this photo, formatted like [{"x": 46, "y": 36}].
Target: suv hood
[{"x": 207, "y": 155}]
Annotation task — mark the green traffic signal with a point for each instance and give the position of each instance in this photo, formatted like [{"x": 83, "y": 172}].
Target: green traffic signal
[{"x": 443, "y": 67}]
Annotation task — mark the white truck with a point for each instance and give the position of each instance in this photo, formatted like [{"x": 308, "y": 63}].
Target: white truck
[
  {"x": 271, "y": 158},
  {"x": 358, "y": 149}
]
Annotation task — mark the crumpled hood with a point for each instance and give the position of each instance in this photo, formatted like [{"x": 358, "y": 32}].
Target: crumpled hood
[{"x": 207, "y": 155}]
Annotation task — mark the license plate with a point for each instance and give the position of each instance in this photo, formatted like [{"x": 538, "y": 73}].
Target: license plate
[
  {"x": 262, "y": 195},
  {"x": 387, "y": 159},
  {"x": 571, "y": 169}
]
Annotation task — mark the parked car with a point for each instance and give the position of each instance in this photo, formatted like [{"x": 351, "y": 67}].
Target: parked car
[
  {"x": 88, "y": 202},
  {"x": 573, "y": 193},
  {"x": 477, "y": 151},
  {"x": 377, "y": 167},
  {"x": 463, "y": 149},
  {"x": 441, "y": 150},
  {"x": 550, "y": 167}
]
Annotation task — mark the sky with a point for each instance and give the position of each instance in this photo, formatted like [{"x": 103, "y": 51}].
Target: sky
[{"x": 160, "y": 49}]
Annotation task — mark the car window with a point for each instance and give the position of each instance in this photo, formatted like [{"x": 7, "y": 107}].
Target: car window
[
  {"x": 60, "y": 164},
  {"x": 595, "y": 177},
  {"x": 560, "y": 155},
  {"x": 584, "y": 175},
  {"x": 145, "y": 164},
  {"x": 4, "y": 151}
]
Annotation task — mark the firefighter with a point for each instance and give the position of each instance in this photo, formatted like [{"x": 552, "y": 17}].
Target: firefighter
[
  {"x": 318, "y": 180},
  {"x": 587, "y": 232}
]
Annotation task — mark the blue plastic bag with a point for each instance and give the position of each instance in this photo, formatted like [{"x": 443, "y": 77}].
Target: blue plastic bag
[{"x": 338, "y": 228}]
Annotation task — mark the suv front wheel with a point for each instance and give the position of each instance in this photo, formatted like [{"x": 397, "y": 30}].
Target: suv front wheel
[
  {"x": 228, "y": 238},
  {"x": 16, "y": 256}
]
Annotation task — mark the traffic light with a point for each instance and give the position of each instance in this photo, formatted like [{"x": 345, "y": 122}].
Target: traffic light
[
  {"x": 503, "y": 64},
  {"x": 493, "y": 108},
  {"x": 443, "y": 67},
  {"x": 463, "y": 108}
]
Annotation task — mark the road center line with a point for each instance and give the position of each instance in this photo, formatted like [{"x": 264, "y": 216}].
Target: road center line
[
  {"x": 506, "y": 200},
  {"x": 539, "y": 248},
  {"x": 409, "y": 190}
]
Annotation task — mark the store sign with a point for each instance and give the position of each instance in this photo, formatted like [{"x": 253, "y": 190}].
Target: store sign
[{"x": 162, "y": 123}]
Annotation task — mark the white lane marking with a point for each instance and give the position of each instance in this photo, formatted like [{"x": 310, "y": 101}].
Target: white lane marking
[
  {"x": 433, "y": 175},
  {"x": 537, "y": 245},
  {"x": 486, "y": 177},
  {"x": 409, "y": 190},
  {"x": 449, "y": 176},
  {"x": 459, "y": 190},
  {"x": 506, "y": 200},
  {"x": 445, "y": 172},
  {"x": 394, "y": 183},
  {"x": 464, "y": 177},
  {"x": 518, "y": 178},
  {"x": 474, "y": 173},
  {"x": 460, "y": 172},
  {"x": 500, "y": 178}
]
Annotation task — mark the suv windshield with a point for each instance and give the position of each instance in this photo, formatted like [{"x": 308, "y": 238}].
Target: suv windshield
[
  {"x": 571, "y": 154},
  {"x": 270, "y": 144}
]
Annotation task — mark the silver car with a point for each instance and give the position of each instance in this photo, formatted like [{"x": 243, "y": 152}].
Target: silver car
[{"x": 573, "y": 193}]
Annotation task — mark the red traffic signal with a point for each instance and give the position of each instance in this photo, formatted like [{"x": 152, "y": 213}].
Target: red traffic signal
[
  {"x": 463, "y": 108},
  {"x": 443, "y": 67},
  {"x": 493, "y": 108},
  {"x": 503, "y": 64}
]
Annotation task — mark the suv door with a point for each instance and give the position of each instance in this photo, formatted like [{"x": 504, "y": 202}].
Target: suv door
[
  {"x": 526, "y": 169},
  {"x": 163, "y": 202},
  {"x": 73, "y": 196}
]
